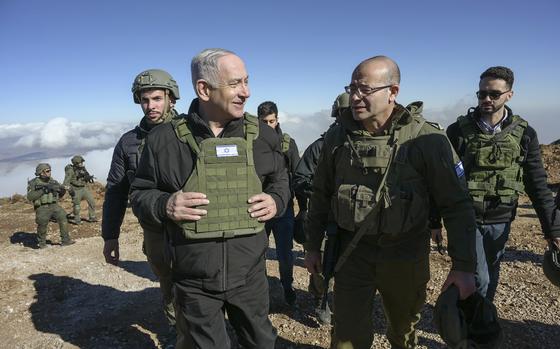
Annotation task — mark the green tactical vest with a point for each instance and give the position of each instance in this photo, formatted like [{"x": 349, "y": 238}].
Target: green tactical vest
[
  {"x": 493, "y": 162},
  {"x": 45, "y": 199},
  {"x": 373, "y": 173},
  {"x": 74, "y": 180},
  {"x": 225, "y": 172},
  {"x": 285, "y": 142}
]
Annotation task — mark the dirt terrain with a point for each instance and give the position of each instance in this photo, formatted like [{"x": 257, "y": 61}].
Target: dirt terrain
[{"x": 68, "y": 297}]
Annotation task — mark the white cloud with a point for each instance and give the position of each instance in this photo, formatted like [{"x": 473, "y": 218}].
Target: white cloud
[
  {"x": 305, "y": 129},
  {"x": 60, "y": 133}
]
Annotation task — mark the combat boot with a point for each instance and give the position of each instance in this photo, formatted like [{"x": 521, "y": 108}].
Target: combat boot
[
  {"x": 93, "y": 219},
  {"x": 67, "y": 242}
]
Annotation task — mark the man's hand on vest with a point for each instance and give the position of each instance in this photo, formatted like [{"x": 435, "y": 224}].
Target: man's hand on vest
[
  {"x": 263, "y": 207},
  {"x": 181, "y": 206},
  {"x": 463, "y": 280}
]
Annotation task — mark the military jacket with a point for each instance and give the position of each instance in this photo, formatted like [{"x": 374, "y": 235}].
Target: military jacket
[
  {"x": 349, "y": 180},
  {"x": 42, "y": 192},
  {"x": 72, "y": 176},
  {"x": 124, "y": 163}
]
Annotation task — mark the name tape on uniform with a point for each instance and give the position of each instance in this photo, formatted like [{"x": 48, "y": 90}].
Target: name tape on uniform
[{"x": 226, "y": 150}]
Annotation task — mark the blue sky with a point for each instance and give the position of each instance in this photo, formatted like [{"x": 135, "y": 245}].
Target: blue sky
[{"x": 76, "y": 59}]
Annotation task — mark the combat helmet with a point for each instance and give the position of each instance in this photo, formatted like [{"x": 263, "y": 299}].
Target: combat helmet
[
  {"x": 468, "y": 323},
  {"x": 41, "y": 167},
  {"x": 551, "y": 264},
  {"x": 77, "y": 159},
  {"x": 341, "y": 101},
  {"x": 154, "y": 79}
]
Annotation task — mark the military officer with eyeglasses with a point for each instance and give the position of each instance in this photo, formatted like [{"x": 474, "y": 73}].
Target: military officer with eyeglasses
[
  {"x": 501, "y": 159},
  {"x": 381, "y": 167}
]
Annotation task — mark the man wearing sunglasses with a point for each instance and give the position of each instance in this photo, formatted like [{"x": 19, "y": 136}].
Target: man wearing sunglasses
[
  {"x": 379, "y": 171},
  {"x": 501, "y": 159}
]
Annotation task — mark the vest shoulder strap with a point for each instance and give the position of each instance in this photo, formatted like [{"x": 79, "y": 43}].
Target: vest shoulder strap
[
  {"x": 285, "y": 142},
  {"x": 184, "y": 134}
]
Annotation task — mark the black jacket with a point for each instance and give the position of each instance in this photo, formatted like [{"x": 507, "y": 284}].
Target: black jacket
[
  {"x": 305, "y": 169},
  {"x": 123, "y": 167},
  {"x": 292, "y": 159},
  {"x": 534, "y": 180},
  {"x": 165, "y": 166}
]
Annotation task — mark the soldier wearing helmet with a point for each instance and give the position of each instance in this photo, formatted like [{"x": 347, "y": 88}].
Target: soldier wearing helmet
[
  {"x": 76, "y": 179},
  {"x": 44, "y": 192},
  {"x": 303, "y": 179},
  {"x": 156, "y": 92}
]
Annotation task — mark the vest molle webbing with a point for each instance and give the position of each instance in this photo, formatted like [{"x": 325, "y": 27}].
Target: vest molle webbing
[
  {"x": 493, "y": 162},
  {"x": 225, "y": 172},
  {"x": 363, "y": 179}
]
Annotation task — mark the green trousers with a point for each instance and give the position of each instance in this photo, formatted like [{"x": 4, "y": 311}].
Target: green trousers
[
  {"x": 83, "y": 193},
  {"x": 42, "y": 216},
  {"x": 401, "y": 284},
  {"x": 154, "y": 249}
]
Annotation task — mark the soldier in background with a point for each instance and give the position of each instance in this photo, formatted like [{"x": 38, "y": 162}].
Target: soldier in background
[
  {"x": 283, "y": 227},
  {"x": 76, "y": 179},
  {"x": 302, "y": 182},
  {"x": 156, "y": 92},
  {"x": 45, "y": 192}
]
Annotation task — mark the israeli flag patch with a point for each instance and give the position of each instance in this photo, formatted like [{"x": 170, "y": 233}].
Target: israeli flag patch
[
  {"x": 459, "y": 170},
  {"x": 226, "y": 150}
]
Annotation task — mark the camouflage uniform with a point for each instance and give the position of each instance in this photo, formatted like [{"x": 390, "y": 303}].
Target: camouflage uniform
[
  {"x": 44, "y": 192},
  {"x": 76, "y": 179}
]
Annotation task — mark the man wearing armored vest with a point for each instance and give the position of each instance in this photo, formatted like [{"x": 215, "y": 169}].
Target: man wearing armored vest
[
  {"x": 157, "y": 92},
  {"x": 501, "y": 159},
  {"x": 44, "y": 192},
  {"x": 212, "y": 179},
  {"x": 76, "y": 179},
  {"x": 283, "y": 227},
  {"x": 379, "y": 171}
]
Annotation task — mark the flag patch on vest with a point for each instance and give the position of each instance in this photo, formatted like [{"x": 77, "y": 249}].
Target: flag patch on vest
[
  {"x": 226, "y": 150},
  {"x": 459, "y": 170}
]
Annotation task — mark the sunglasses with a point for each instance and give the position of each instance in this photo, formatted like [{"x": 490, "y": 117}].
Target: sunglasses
[{"x": 492, "y": 94}]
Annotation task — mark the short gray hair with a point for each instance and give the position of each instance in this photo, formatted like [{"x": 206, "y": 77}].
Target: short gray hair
[{"x": 205, "y": 65}]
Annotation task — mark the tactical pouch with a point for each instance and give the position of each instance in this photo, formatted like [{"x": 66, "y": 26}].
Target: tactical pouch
[
  {"x": 404, "y": 209},
  {"x": 494, "y": 157},
  {"x": 352, "y": 205}
]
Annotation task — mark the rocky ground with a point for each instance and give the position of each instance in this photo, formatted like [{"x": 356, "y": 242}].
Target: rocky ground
[{"x": 68, "y": 297}]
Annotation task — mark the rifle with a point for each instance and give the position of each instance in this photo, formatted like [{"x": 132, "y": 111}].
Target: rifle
[
  {"x": 84, "y": 174},
  {"x": 51, "y": 188},
  {"x": 330, "y": 257}
]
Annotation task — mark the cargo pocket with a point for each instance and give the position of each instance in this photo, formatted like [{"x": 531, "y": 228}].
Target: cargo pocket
[
  {"x": 494, "y": 157},
  {"x": 407, "y": 209},
  {"x": 343, "y": 206},
  {"x": 352, "y": 205}
]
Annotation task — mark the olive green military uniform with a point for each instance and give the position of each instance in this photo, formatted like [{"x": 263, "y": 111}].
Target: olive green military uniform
[
  {"x": 78, "y": 185},
  {"x": 44, "y": 193},
  {"x": 380, "y": 188}
]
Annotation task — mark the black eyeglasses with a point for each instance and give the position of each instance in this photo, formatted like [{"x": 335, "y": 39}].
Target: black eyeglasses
[
  {"x": 363, "y": 91},
  {"x": 492, "y": 94}
]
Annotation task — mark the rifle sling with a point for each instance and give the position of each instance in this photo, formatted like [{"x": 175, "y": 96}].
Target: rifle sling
[{"x": 373, "y": 215}]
